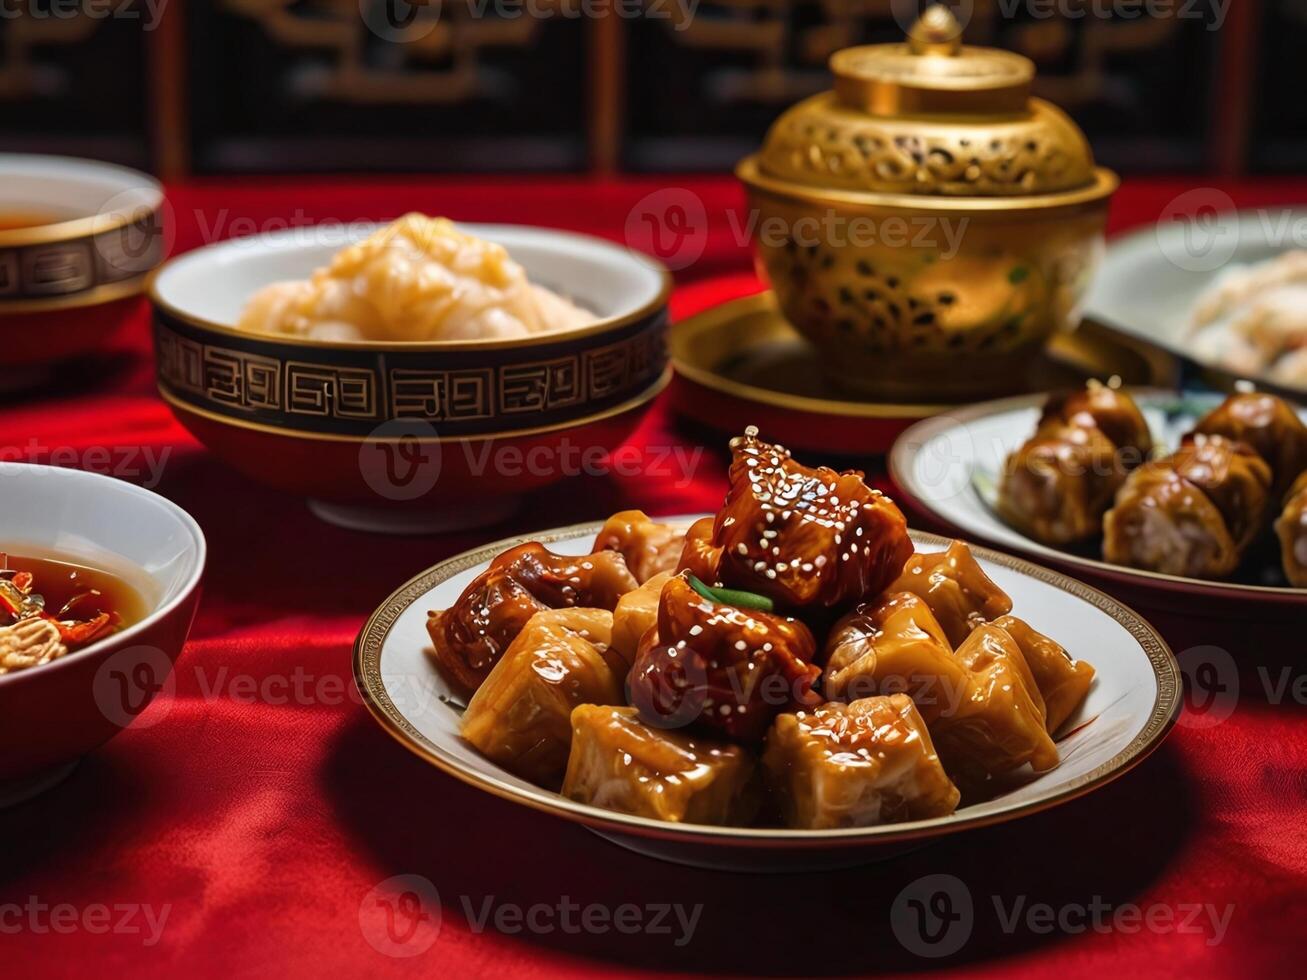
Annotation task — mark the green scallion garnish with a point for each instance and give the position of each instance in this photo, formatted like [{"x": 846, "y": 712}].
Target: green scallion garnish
[{"x": 732, "y": 597}]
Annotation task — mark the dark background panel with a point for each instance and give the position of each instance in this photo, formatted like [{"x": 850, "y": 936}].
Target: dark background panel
[
  {"x": 74, "y": 84},
  {"x": 702, "y": 94},
  {"x": 309, "y": 86},
  {"x": 1279, "y": 132},
  {"x": 250, "y": 86}
]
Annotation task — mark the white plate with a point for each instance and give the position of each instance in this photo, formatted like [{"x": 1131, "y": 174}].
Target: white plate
[
  {"x": 1130, "y": 708},
  {"x": 1150, "y": 278},
  {"x": 948, "y": 467}
]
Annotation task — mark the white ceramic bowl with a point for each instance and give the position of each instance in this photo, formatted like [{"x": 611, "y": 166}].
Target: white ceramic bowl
[
  {"x": 321, "y": 418},
  {"x": 53, "y": 714},
  {"x": 68, "y": 282},
  {"x": 1134, "y": 701}
]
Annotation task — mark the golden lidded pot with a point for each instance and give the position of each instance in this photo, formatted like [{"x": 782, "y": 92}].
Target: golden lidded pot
[{"x": 927, "y": 224}]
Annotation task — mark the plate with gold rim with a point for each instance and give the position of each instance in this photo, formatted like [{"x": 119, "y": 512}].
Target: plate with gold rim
[
  {"x": 741, "y": 363},
  {"x": 947, "y": 469},
  {"x": 1131, "y": 707}
]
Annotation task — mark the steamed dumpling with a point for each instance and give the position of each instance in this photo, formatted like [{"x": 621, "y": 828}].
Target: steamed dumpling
[{"x": 417, "y": 279}]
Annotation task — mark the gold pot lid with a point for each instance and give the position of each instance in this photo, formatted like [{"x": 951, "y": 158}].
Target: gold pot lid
[{"x": 930, "y": 116}]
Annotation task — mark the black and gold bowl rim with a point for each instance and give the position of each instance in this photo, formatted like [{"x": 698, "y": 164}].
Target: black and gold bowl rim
[
  {"x": 642, "y": 398},
  {"x": 371, "y": 640},
  {"x": 81, "y": 232}
]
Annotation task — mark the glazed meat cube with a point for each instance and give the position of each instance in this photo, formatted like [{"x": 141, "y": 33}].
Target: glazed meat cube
[
  {"x": 636, "y": 612},
  {"x": 649, "y": 547},
  {"x": 1058, "y": 485},
  {"x": 620, "y": 763},
  {"x": 805, "y": 536},
  {"x": 520, "y": 717},
  {"x": 1000, "y": 725},
  {"x": 471, "y": 635},
  {"x": 1063, "y": 682},
  {"x": 894, "y": 645},
  {"x": 955, "y": 587},
  {"x": 856, "y": 765},
  {"x": 719, "y": 668}
]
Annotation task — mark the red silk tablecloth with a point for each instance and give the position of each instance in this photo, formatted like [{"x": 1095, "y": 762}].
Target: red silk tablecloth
[{"x": 238, "y": 828}]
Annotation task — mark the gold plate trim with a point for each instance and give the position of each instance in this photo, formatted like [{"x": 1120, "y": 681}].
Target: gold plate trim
[
  {"x": 899, "y": 461},
  {"x": 649, "y": 393},
  {"x": 367, "y": 677},
  {"x": 681, "y": 335}
]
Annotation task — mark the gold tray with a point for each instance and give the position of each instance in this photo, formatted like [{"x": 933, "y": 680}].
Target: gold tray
[{"x": 741, "y": 363}]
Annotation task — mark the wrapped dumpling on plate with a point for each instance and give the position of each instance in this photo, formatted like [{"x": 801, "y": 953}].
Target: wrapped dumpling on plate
[
  {"x": 700, "y": 557},
  {"x": 894, "y": 645},
  {"x": 856, "y": 765},
  {"x": 1058, "y": 484},
  {"x": 981, "y": 701},
  {"x": 955, "y": 587},
  {"x": 1269, "y": 426},
  {"x": 1192, "y": 513},
  {"x": 1292, "y": 530},
  {"x": 1063, "y": 682},
  {"x": 520, "y": 716},
  {"x": 999, "y": 726},
  {"x": 636, "y": 612},
  {"x": 620, "y": 763},
  {"x": 1110, "y": 410},
  {"x": 649, "y": 547}
]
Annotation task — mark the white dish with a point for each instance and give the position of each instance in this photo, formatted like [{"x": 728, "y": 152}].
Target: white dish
[
  {"x": 1150, "y": 279},
  {"x": 948, "y": 467},
  {"x": 317, "y": 418},
  {"x": 51, "y": 715},
  {"x": 1133, "y": 703}
]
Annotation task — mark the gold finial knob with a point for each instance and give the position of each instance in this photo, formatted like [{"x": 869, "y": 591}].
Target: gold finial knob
[{"x": 936, "y": 31}]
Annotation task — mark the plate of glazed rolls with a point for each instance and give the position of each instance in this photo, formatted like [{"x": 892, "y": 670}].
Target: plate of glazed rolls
[
  {"x": 795, "y": 680},
  {"x": 1175, "y": 495}
]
